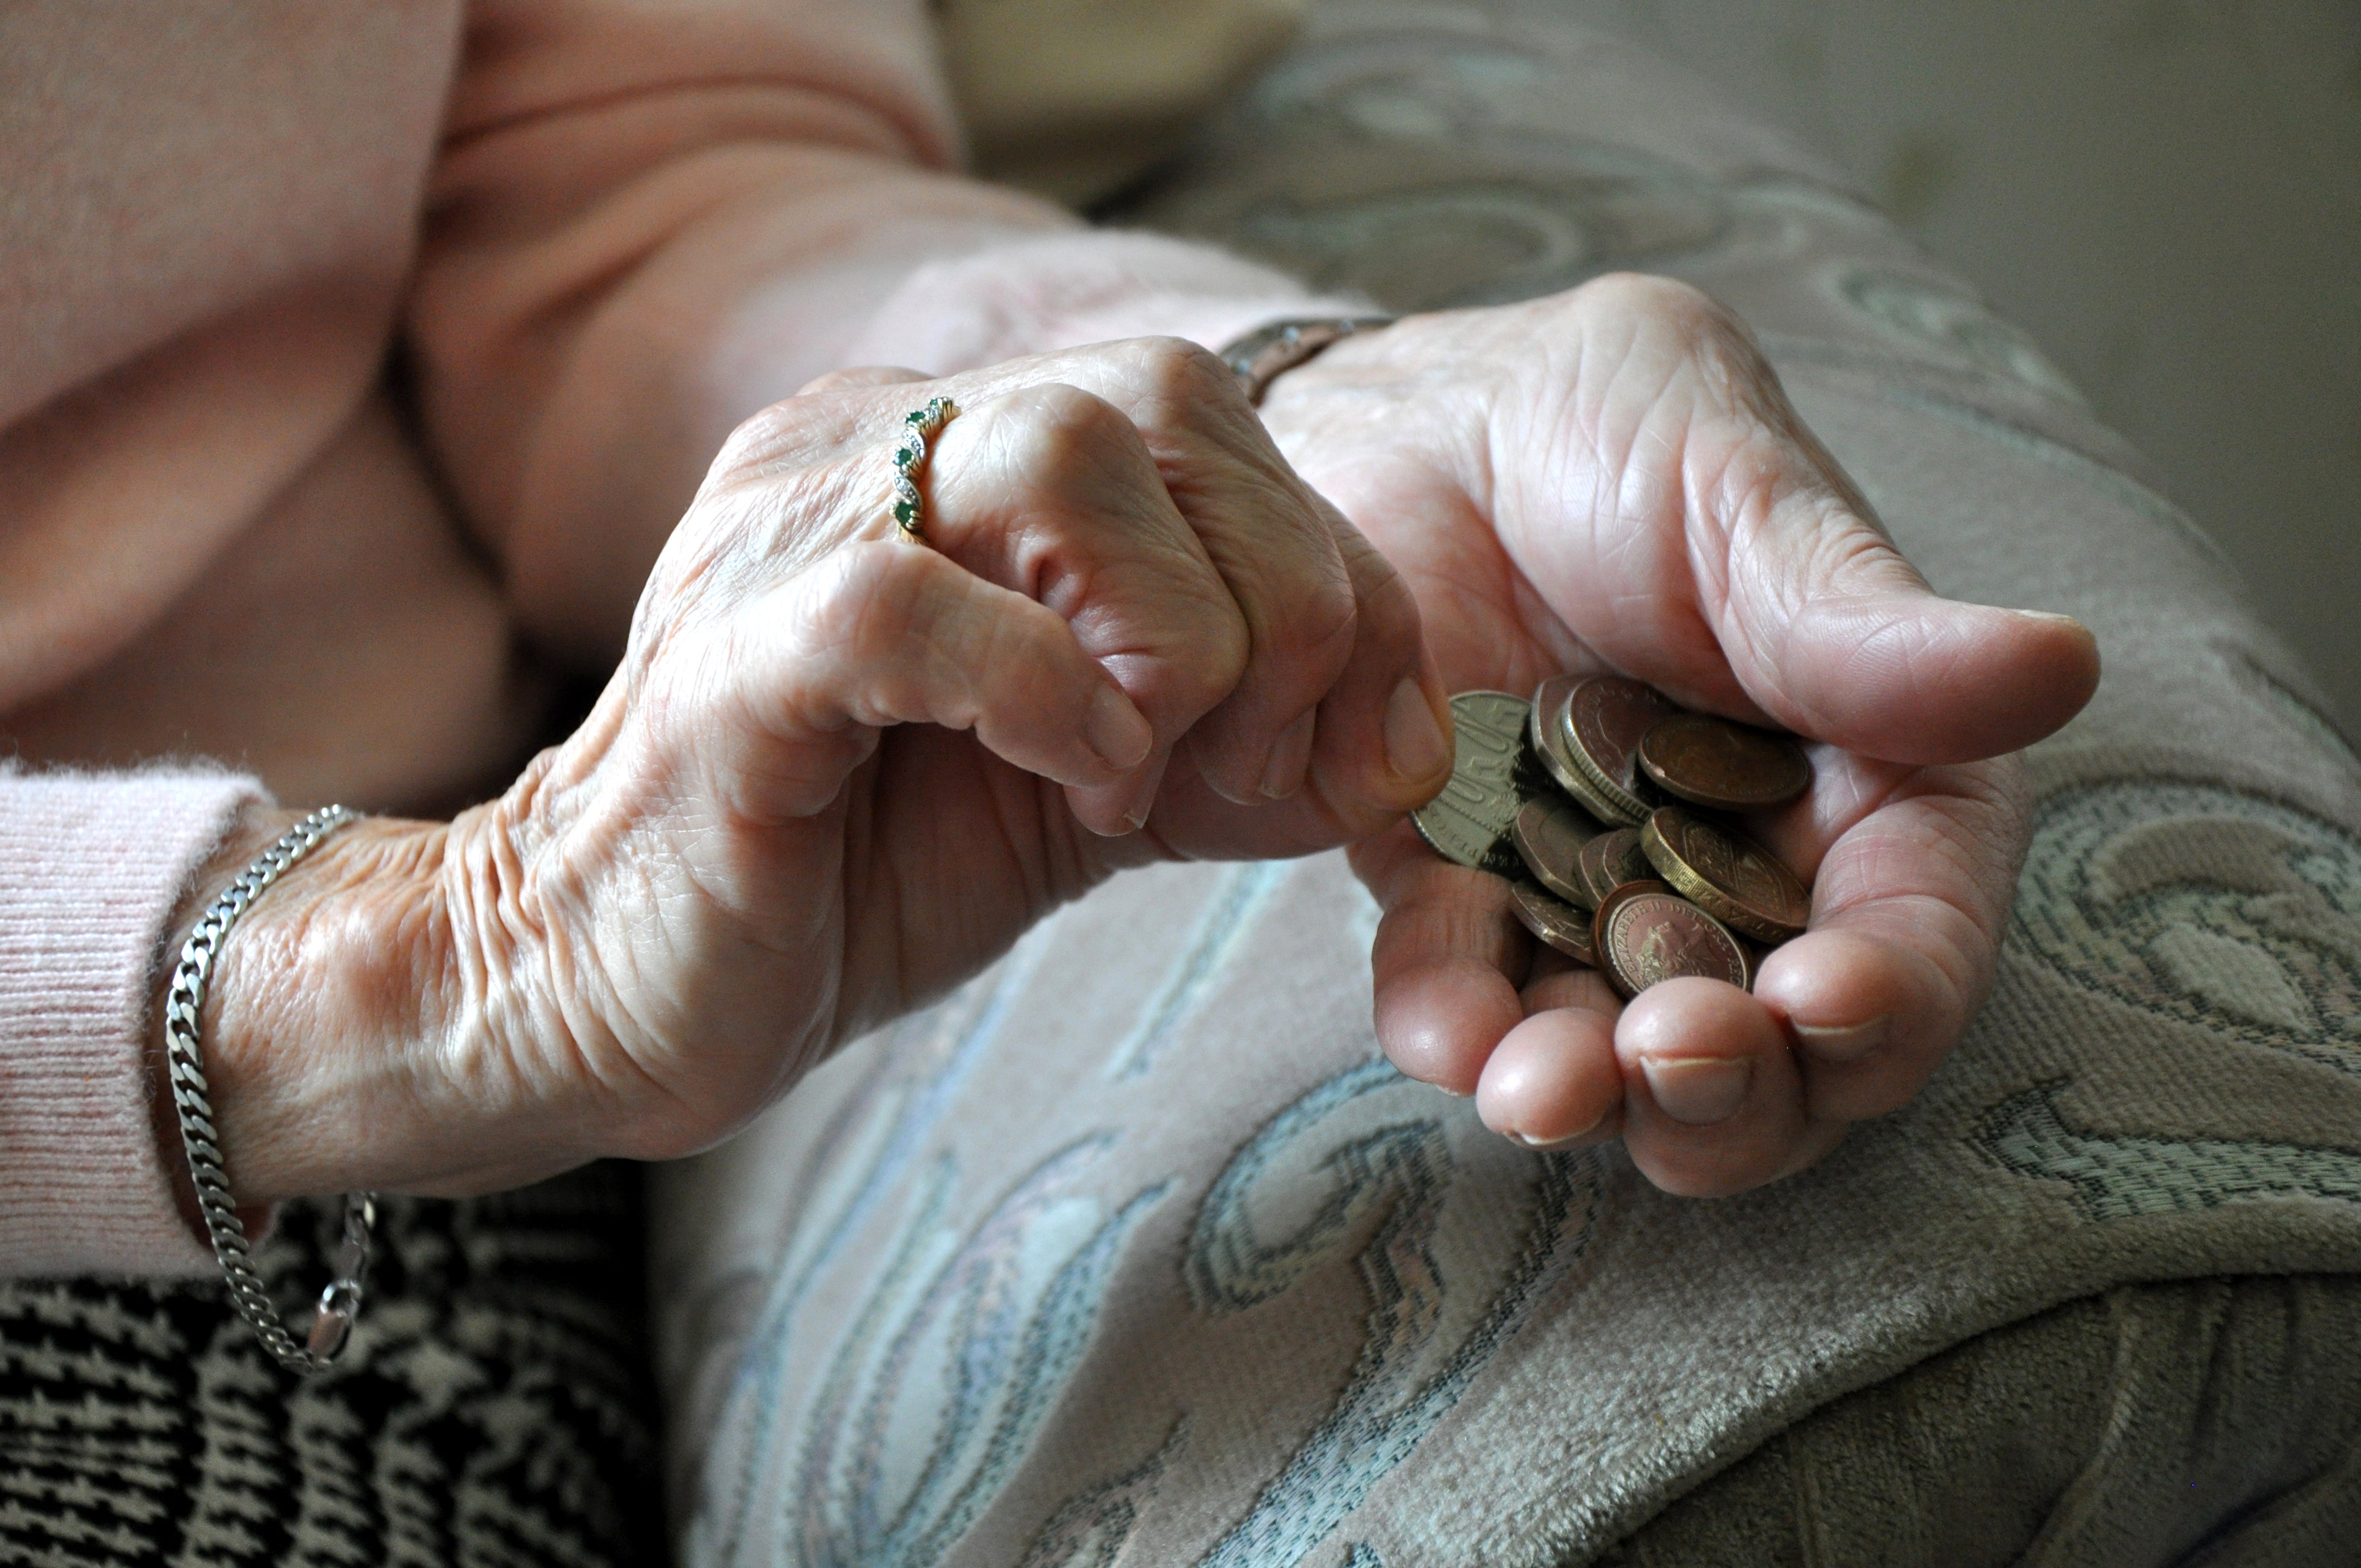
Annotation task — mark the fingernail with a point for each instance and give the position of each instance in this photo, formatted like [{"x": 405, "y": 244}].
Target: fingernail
[
  {"x": 1847, "y": 1043},
  {"x": 2053, "y": 615},
  {"x": 1415, "y": 748},
  {"x": 1115, "y": 730},
  {"x": 1141, "y": 789},
  {"x": 1290, "y": 758},
  {"x": 1699, "y": 1089},
  {"x": 1532, "y": 1142},
  {"x": 1132, "y": 822}
]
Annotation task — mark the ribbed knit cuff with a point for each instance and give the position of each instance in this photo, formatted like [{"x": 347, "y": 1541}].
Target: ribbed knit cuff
[
  {"x": 1063, "y": 290},
  {"x": 90, "y": 866}
]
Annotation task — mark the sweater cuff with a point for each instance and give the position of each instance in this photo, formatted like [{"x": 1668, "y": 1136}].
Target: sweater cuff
[
  {"x": 1064, "y": 289},
  {"x": 91, "y": 867}
]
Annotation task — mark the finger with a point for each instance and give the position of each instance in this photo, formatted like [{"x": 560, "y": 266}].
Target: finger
[
  {"x": 1825, "y": 623},
  {"x": 1441, "y": 960},
  {"x": 1051, "y": 492},
  {"x": 1378, "y": 743},
  {"x": 1775, "y": 588},
  {"x": 1911, "y": 896},
  {"x": 1712, "y": 1101},
  {"x": 877, "y": 634},
  {"x": 1266, "y": 533},
  {"x": 1383, "y": 741},
  {"x": 1553, "y": 1081}
]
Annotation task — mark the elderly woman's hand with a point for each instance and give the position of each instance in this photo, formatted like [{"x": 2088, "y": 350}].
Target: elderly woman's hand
[
  {"x": 1611, "y": 479},
  {"x": 836, "y": 773}
]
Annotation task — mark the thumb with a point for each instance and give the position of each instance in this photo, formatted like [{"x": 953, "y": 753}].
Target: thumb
[
  {"x": 1907, "y": 676},
  {"x": 1833, "y": 633},
  {"x": 1830, "y": 629}
]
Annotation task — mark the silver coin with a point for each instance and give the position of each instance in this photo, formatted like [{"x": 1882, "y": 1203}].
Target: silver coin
[{"x": 1473, "y": 821}]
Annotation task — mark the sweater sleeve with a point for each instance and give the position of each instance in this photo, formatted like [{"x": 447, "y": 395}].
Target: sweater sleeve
[
  {"x": 90, "y": 868},
  {"x": 646, "y": 224}
]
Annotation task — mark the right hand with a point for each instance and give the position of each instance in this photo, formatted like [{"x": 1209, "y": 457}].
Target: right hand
[{"x": 835, "y": 773}]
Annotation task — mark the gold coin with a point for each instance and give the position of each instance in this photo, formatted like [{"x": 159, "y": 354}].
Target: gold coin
[
  {"x": 1558, "y": 924},
  {"x": 1471, "y": 823},
  {"x": 1727, "y": 874}
]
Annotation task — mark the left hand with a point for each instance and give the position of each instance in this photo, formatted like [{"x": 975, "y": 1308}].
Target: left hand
[{"x": 1612, "y": 479}]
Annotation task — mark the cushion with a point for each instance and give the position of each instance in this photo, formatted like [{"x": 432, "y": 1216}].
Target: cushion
[{"x": 1135, "y": 1250}]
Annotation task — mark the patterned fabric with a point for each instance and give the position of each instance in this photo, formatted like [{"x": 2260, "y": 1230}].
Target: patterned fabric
[
  {"x": 1134, "y": 1252},
  {"x": 2194, "y": 1423},
  {"x": 492, "y": 1410}
]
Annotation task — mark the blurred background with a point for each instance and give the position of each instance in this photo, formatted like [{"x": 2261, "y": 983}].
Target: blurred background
[{"x": 2167, "y": 194}]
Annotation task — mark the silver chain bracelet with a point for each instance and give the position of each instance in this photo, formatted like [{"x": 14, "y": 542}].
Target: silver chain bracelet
[{"x": 185, "y": 1049}]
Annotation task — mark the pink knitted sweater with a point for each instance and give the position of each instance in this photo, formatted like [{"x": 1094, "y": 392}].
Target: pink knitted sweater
[{"x": 595, "y": 233}]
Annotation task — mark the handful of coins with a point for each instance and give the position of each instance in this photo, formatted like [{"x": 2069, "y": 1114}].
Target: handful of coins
[{"x": 1600, "y": 801}]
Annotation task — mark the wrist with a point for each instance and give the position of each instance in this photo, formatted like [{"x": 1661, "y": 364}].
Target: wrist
[{"x": 336, "y": 1042}]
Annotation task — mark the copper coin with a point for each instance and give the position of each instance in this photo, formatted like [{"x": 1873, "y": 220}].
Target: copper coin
[
  {"x": 1711, "y": 762},
  {"x": 1727, "y": 874},
  {"x": 1646, "y": 933},
  {"x": 1605, "y": 717},
  {"x": 1550, "y": 832},
  {"x": 1609, "y": 862},
  {"x": 1553, "y": 745},
  {"x": 1557, "y": 924},
  {"x": 1470, "y": 823}
]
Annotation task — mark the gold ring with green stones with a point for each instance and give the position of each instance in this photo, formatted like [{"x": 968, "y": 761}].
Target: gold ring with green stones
[{"x": 921, "y": 426}]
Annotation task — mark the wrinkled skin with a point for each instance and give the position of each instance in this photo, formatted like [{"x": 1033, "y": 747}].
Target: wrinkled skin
[
  {"x": 1611, "y": 480},
  {"x": 837, "y": 772}
]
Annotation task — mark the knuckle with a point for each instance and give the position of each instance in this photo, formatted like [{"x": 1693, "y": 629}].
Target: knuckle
[
  {"x": 866, "y": 604},
  {"x": 1173, "y": 369},
  {"x": 762, "y": 436},
  {"x": 1055, "y": 431},
  {"x": 1684, "y": 307},
  {"x": 1691, "y": 324},
  {"x": 1386, "y": 610},
  {"x": 1310, "y": 618}
]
